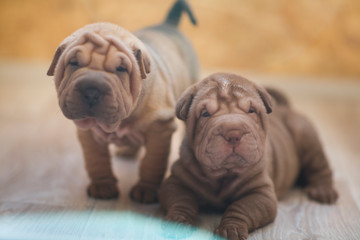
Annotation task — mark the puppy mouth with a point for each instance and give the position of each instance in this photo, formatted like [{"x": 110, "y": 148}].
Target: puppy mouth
[
  {"x": 105, "y": 115},
  {"x": 234, "y": 160},
  {"x": 231, "y": 161},
  {"x": 232, "y": 164}
]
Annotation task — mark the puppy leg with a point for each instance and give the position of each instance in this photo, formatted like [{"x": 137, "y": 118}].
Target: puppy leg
[
  {"x": 154, "y": 164},
  {"x": 254, "y": 210},
  {"x": 315, "y": 166},
  {"x": 179, "y": 203},
  {"x": 97, "y": 162}
]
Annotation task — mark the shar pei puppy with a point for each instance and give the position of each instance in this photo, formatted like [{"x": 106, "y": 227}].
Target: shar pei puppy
[
  {"x": 121, "y": 87},
  {"x": 239, "y": 158}
]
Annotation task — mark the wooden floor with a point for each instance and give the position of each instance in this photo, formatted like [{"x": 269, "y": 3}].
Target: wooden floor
[{"x": 43, "y": 181}]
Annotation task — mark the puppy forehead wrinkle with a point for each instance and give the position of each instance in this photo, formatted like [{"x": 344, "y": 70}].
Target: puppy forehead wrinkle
[
  {"x": 211, "y": 92},
  {"x": 231, "y": 93},
  {"x": 124, "y": 61},
  {"x": 228, "y": 89},
  {"x": 72, "y": 53},
  {"x": 238, "y": 92},
  {"x": 210, "y": 104},
  {"x": 101, "y": 44},
  {"x": 224, "y": 83},
  {"x": 119, "y": 45},
  {"x": 92, "y": 41}
]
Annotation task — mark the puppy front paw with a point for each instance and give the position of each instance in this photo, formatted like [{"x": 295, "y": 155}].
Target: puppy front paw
[
  {"x": 103, "y": 190},
  {"x": 179, "y": 218},
  {"x": 144, "y": 193},
  {"x": 322, "y": 193},
  {"x": 232, "y": 232}
]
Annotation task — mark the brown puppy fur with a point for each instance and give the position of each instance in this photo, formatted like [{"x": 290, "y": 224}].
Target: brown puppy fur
[
  {"x": 238, "y": 157},
  {"x": 121, "y": 88}
]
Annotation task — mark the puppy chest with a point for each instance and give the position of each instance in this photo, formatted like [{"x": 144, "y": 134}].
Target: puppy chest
[
  {"x": 122, "y": 136},
  {"x": 212, "y": 194}
]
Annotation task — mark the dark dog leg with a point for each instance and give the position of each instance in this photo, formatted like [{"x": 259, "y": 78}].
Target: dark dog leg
[
  {"x": 179, "y": 203},
  {"x": 316, "y": 172},
  {"x": 154, "y": 163},
  {"x": 250, "y": 212}
]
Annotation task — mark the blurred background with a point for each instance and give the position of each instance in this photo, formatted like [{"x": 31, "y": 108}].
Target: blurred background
[
  {"x": 310, "y": 49},
  {"x": 303, "y": 37}
]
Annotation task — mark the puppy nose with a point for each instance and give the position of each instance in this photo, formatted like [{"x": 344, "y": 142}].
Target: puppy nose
[
  {"x": 91, "y": 96},
  {"x": 233, "y": 137},
  {"x": 92, "y": 90}
]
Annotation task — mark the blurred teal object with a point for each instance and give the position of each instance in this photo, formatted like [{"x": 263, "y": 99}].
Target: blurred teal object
[{"x": 93, "y": 225}]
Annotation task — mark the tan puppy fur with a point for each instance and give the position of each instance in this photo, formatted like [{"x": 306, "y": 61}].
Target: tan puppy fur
[
  {"x": 238, "y": 157},
  {"x": 121, "y": 88}
]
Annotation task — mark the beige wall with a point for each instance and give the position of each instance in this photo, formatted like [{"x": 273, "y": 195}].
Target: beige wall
[{"x": 304, "y": 37}]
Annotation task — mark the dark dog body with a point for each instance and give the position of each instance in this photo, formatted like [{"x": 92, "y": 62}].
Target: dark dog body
[{"x": 236, "y": 157}]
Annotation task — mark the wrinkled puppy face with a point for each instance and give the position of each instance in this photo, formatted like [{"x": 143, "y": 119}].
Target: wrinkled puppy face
[
  {"x": 98, "y": 77},
  {"x": 226, "y": 123}
]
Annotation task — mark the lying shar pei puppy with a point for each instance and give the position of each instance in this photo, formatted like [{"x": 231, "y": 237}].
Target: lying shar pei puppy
[
  {"x": 122, "y": 88},
  {"x": 238, "y": 158}
]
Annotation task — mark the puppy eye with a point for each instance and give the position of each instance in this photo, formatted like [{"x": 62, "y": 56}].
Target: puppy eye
[
  {"x": 121, "y": 69},
  {"x": 205, "y": 114},
  {"x": 251, "y": 110},
  {"x": 74, "y": 63}
]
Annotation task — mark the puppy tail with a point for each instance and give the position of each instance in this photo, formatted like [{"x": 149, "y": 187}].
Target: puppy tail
[
  {"x": 174, "y": 15},
  {"x": 278, "y": 96}
]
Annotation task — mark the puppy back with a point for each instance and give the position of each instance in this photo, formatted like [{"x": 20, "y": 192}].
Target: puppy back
[{"x": 278, "y": 97}]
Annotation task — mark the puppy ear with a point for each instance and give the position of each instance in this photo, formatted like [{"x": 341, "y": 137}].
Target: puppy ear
[
  {"x": 55, "y": 60},
  {"x": 266, "y": 98},
  {"x": 59, "y": 51},
  {"x": 184, "y": 103},
  {"x": 143, "y": 62}
]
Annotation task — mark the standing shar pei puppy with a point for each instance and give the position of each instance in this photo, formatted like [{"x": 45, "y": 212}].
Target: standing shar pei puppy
[
  {"x": 237, "y": 157},
  {"x": 121, "y": 88}
]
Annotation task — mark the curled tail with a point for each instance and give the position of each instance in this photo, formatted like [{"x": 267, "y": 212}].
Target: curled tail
[
  {"x": 175, "y": 12},
  {"x": 278, "y": 96}
]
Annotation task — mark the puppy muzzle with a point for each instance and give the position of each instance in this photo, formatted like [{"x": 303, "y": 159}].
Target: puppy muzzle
[
  {"x": 228, "y": 145},
  {"x": 91, "y": 96}
]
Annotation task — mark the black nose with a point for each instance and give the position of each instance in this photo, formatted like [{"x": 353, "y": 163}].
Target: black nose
[{"x": 91, "y": 96}]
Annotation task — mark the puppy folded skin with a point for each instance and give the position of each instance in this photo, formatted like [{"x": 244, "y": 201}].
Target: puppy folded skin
[
  {"x": 121, "y": 87},
  {"x": 241, "y": 153}
]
